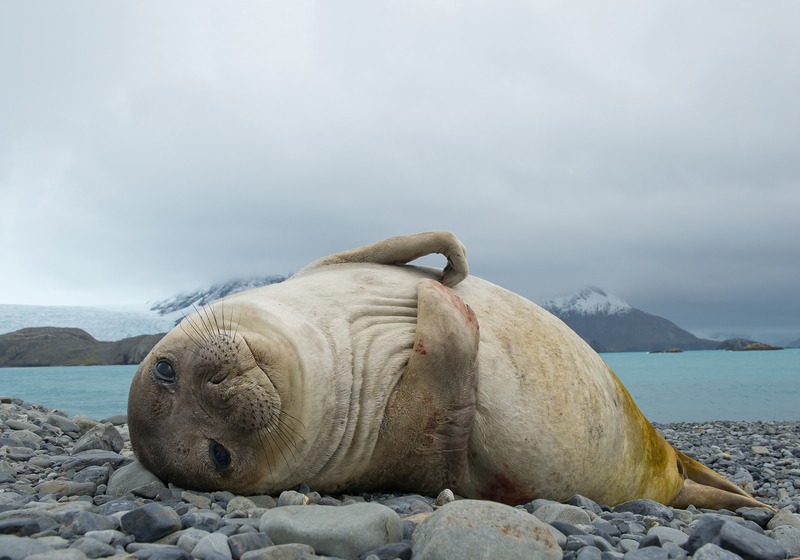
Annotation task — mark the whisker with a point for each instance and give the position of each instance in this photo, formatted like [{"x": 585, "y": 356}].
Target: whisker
[
  {"x": 289, "y": 440},
  {"x": 214, "y": 316},
  {"x": 288, "y": 427},
  {"x": 201, "y": 315},
  {"x": 190, "y": 321},
  {"x": 280, "y": 448}
]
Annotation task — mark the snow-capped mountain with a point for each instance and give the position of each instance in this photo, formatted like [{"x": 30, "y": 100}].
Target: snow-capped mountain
[
  {"x": 609, "y": 324},
  {"x": 591, "y": 301},
  {"x": 198, "y": 298}
]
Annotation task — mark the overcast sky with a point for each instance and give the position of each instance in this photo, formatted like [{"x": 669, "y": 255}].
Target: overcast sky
[{"x": 648, "y": 148}]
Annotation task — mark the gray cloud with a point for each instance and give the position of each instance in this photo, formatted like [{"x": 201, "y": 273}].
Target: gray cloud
[{"x": 650, "y": 149}]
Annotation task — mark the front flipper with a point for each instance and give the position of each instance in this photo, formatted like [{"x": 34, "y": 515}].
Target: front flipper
[
  {"x": 426, "y": 427},
  {"x": 404, "y": 249}
]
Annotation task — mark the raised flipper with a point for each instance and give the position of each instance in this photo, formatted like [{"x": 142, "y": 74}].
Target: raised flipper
[
  {"x": 404, "y": 249},
  {"x": 704, "y": 488},
  {"x": 425, "y": 431}
]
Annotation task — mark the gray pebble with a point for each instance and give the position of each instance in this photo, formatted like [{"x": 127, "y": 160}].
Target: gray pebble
[
  {"x": 92, "y": 547},
  {"x": 205, "y": 520},
  {"x": 18, "y": 548},
  {"x": 96, "y": 457},
  {"x": 445, "y": 497},
  {"x": 198, "y": 500},
  {"x": 712, "y": 551},
  {"x": 85, "y": 521},
  {"x": 63, "y": 423},
  {"x": 150, "y": 522},
  {"x": 789, "y": 537},
  {"x": 647, "y": 508},
  {"x": 647, "y": 553},
  {"x": 241, "y": 543},
  {"x": 294, "y": 551},
  {"x": 563, "y": 512},
  {"x": 211, "y": 544},
  {"x": 292, "y": 498},
  {"x": 66, "y": 554},
  {"x": 103, "y": 436},
  {"x": 668, "y": 534},
  {"x": 784, "y": 517},
  {"x": 589, "y": 553},
  {"x": 21, "y": 425}
]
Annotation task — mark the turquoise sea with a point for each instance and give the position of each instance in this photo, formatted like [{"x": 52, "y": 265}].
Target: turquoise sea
[{"x": 685, "y": 387}]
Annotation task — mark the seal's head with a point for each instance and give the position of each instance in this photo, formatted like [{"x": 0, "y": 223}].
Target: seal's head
[{"x": 205, "y": 409}]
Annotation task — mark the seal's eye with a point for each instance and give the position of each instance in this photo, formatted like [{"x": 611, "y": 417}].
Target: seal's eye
[
  {"x": 164, "y": 372},
  {"x": 219, "y": 455}
]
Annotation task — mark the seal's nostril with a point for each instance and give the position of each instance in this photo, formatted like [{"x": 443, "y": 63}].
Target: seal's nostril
[{"x": 218, "y": 378}]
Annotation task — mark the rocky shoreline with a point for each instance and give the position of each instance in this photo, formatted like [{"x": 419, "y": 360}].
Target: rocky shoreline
[{"x": 70, "y": 489}]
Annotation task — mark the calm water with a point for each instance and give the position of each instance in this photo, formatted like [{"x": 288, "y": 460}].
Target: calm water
[
  {"x": 95, "y": 391},
  {"x": 691, "y": 386}
]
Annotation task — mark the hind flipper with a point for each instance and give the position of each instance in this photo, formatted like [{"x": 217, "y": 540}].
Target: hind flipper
[{"x": 704, "y": 488}]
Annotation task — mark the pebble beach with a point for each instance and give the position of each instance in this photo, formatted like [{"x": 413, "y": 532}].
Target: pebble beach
[{"x": 70, "y": 488}]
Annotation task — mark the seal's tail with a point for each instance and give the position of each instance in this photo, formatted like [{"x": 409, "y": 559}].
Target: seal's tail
[{"x": 704, "y": 488}]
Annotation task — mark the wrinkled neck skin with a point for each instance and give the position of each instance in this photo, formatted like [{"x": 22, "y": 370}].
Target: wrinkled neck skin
[{"x": 349, "y": 360}]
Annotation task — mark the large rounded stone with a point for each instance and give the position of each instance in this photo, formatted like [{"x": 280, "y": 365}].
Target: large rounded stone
[
  {"x": 103, "y": 436},
  {"x": 480, "y": 529},
  {"x": 130, "y": 477},
  {"x": 344, "y": 532}
]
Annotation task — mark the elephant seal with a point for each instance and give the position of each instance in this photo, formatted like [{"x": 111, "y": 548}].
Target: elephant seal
[{"x": 362, "y": 373}]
